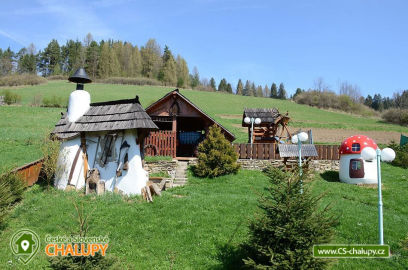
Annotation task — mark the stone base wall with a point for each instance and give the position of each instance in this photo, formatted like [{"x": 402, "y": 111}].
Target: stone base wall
[
  {"x": 247, "y": 164},
  {"x": 161, "y": 166},
  {"x": 261, "y": 164}
]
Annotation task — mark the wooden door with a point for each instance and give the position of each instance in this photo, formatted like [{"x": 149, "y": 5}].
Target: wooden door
[{"x": 356, "y": 168}]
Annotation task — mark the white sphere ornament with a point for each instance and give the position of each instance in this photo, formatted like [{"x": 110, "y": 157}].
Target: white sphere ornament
[
  {"x": 247, "y": 120},
  {"x": 303, "y": 136},
  {"x": 387, "y": 155},
  {"x": 368, "y": 153},
  {"x": 295, "y": 139},
  {"x": 257, "y": 121}
]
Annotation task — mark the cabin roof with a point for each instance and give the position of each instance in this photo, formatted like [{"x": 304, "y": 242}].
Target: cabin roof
[
  {"x": 267, "y": 115},
  {"x": 179, "y": 95},
  {"x": 106, "y": 116}
]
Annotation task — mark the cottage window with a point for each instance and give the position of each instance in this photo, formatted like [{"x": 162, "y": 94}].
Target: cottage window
[
  {"x": 107, "y": 149},
  {"x": 356, "y": 165},
  {"x": 355, "y": 147}
]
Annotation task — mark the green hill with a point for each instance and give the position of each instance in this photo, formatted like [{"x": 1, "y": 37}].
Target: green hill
[{"x": 22, "y": 127}]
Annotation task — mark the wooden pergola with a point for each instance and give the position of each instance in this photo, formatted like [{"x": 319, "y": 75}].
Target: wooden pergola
[{"x": 272, "y": 127}]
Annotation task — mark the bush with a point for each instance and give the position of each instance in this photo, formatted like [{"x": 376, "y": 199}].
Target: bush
[
  {"x": 11, "y": 191},
  {"x": 329, "y": 100},
  {"x": 401, "y": 155},
  {"x": 23, "y": 79},
  {"x": 290, "y": 223},
  {"x": 216, "y": 156},
  {"x": 50, "y": 148},
  {"x": 98, "y": 261},
  {"x": 57, "y": 77},
  {"x": 54, "y": 101},
  {"x": 11, "y": 98},
  {"x": 396, "y": 116},
  {"x": 131, "y": 81}
]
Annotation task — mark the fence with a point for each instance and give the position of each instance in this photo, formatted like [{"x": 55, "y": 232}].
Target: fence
[
  {"x": 30, "y": 172},
  {"x": 269, "y": 151},
  {"x": 161, "y": 143}
]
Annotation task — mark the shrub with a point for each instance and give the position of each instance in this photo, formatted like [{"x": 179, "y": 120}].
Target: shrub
[
  {"x": 54, "y": 101},
  {"x": 50, "y": 148},
  {"x": 216, "y": 156},
  {"x": 98, "y": 261},
  {"x": 329, "y": 100},
  {"x": 132, "y": 81},
  {"x": 57, "y": 77},
  {"x": 11, "y": 191},
  {"x": 11, "y": 98},
  {"x": 401, "y": 155},
  {"x": 396, "y": 116},
  {"x": 289, "y": 224},
  {"x": 21, "y": 79}
]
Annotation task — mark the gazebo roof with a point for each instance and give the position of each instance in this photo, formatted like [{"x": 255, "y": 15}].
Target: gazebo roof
[{"x": 107, "y": 116}]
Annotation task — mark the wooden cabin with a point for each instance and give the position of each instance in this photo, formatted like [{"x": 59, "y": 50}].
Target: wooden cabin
[
  {"x": 182, "y": 126},
  {"x": 273, "y": 126}
]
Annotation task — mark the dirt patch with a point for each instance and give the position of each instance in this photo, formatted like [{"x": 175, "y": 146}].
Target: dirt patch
[
  {"x": 337, "y": 135},
  {"x": 230, "y": 116}
]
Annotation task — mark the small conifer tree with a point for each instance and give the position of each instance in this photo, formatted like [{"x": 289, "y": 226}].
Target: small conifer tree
[
  {"x": 283, "y": 234},
  {"x": 216, "y": 156}
]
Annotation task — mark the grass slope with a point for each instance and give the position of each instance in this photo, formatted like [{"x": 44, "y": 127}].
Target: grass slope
[
  {"x": 21, "y": 124},
  {"x": 199, "y": 226}
]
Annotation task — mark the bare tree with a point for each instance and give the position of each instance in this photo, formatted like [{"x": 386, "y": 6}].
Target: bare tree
[
  {"x": 320, "y": 85},
  {"x": 353, "y": 91}
]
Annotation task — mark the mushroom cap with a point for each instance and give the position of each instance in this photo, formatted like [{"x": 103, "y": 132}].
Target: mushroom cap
[{"x": 364, "y": 141}]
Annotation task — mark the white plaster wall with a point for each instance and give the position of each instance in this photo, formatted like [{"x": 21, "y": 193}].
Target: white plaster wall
[
  {"x": 78, "y": 104},
  {"x": 370, "y": 170},
  {"x": 130, "y": 182},
  {"x": 66, "y": 157}
]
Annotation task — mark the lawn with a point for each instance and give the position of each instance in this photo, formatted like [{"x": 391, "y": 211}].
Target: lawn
[
  {"x": 22, "y": 126},
  {"x": 198, "y": 226}
]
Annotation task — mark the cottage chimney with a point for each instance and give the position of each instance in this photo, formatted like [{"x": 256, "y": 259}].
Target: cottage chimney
[{"x": 79, "y": 100}]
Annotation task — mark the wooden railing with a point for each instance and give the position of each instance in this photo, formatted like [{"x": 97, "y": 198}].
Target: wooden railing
[
  {"x": 30, "y": 172},
  {"x": 269, "y": 151},
  {"x": 160, "y": 143}
]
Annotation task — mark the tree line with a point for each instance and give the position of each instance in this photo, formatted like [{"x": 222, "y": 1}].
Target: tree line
[
  {"x": 107, "y": 59},
  {"x": 101, "y": 60}
]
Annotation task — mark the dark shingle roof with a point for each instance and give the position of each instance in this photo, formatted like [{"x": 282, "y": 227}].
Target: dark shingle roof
[
  {"x": 267, "y": 115},
  {"x": 107, "y": 116},
  {"x": 291, "y": 150}
]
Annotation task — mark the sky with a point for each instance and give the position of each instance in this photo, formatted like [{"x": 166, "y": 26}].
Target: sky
[{"x": 294, "y": 42}]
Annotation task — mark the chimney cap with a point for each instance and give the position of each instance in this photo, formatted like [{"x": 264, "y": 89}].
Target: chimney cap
[{"x": 80, "y": 76}]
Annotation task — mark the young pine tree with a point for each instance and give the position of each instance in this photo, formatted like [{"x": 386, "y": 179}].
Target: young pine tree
[
  {"x": 289, "y": 223},
  {"x": 240, "y": 88},
  {"x": 281, "y": 91},
  {"x": 216, "y": 156},
  {"x": 274, "y": 91},
  {"x": 247, "y": 89}
]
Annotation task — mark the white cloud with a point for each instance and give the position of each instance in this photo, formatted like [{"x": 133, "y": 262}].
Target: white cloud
[
  {"x": 73, "y": 20},
  {"x": 11, "y": 37}
]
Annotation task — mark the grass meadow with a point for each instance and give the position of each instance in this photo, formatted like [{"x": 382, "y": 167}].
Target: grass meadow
[
  {"x": 201, "y": 225},
  {"x": 21, "y": 127}
]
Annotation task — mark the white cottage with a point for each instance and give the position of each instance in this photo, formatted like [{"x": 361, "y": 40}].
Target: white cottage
[
  {"x": 106, "y": 136},
  {"x": 353, "y": 168}
]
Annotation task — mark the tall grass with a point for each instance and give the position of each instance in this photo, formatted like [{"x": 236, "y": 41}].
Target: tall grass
[
  {"x": 23, "y": 79},
  {"x": 131, "y": 81}
]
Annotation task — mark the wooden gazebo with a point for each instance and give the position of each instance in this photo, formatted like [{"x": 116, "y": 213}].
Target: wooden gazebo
[
  {"x": 182, "y": 126},
  {"x": 272, "y": 127}
]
